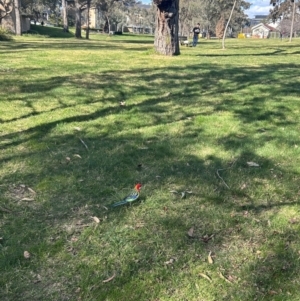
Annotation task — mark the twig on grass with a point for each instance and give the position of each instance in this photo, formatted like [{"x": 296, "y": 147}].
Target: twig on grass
[
  {"x": 5, "y": 210},
  {"x": 84, "y": 144},
  {"x": 225, "y": 169},
  {"x": 110, "y": 278},
  {"x": 221, "y": 177}
]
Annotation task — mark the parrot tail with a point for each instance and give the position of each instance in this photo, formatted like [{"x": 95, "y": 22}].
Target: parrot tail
[{"x": 119, "y": 203}]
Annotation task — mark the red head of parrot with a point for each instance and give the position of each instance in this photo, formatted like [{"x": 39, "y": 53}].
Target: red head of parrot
[{"x": 138, "y": 187}]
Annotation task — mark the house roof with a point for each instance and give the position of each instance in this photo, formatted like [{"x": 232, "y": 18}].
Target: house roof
[{"x": 270, "y": 28}]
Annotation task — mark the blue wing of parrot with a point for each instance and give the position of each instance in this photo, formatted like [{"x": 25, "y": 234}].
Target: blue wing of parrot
[{"x": 130, "y": 198}]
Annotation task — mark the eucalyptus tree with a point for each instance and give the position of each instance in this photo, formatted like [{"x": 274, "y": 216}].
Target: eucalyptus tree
[
  {"x": 64, "y": 10},
  {"x": 166, "y": 30},
  {"x": 189, "y": 14},
  {"x": 141, "y": 16},
  {"x": 285, "y": 10},
  {"x": 149, "y": 17},
  {"x": 6, "y": 7},
  {"x": 18, "y": 23},
  {"x": 212, "y": 11},
  {"x": 108, "y": 9},
  {"x": 227, "y": 24}
]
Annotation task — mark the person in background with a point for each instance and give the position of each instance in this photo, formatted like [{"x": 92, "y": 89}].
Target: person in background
[{"x": 196, "y": 31}]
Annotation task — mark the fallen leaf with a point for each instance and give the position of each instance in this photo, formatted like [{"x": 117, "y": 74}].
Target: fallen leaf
[
  {"x": 206, "y": 238},
  {"x": 38, "y": 279},
  {"x": 109, "y": 279},
  {"x": 31, "y": 190},
  {"x": 96, "y": 219},
  {"x": 253, "y": 164},
  {"x": 173, "y": 191},
  {"x": 243, "y": 186},
  {"x": 210, "y": 260},
  {"x": 205, "y": 276},
  {"x": 191, "y": 232},
  {"x": 293, "y": 220},
  {"x": 170, "y": 261},
  {"x": 68, "y": 159},
  {"x": 78, "y": 290},
  {"x": 272, "y": 293},
  {"x": 223, "y": 277},
  {"x": 245, "y": 213},
  {"x": 77, "y": 128},
  {"x": 77, "y": 156},
  {"x": 26, "y": 254},
  {"x": 139, "y": 225},
  {"x": 122, "y": 103},
  {"x": 27, "y": 199}
]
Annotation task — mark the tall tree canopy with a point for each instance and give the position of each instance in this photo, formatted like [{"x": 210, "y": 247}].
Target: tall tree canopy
[
  {"x": 285, "y": 10},
  {"x": 282, "y": 9},
  {"x": 6, "y": 6}
]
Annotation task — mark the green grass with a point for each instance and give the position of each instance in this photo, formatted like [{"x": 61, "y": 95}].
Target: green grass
[{"x": 192, "y": 122}]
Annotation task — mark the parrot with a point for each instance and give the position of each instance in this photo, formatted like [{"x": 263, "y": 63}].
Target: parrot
[{"x": 134, "y": 195}]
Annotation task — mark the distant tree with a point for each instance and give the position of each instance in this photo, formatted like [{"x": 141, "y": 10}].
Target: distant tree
[
  {"x": 281, "y": 9},
  {"x": 209, "y": 12},
  {"x": 18, "y": 24},
  {"x": 284, "y": 9},
  {"x": 6, "y": 7},
  {"x": 64, "y": 9},
  {"x": 285, "y": 25},
  {"x": 220, "y": 28},
  {"x": 189, "y": 15},
  {"x": 226, "y": 27},
  {"x": 166, "y": 30},
  {"x": 108, "y": 9},
  {"x": 79, "y": 7}
]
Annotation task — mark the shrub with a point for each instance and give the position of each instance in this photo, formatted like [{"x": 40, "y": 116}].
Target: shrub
[{"x": 5, "y": 35}]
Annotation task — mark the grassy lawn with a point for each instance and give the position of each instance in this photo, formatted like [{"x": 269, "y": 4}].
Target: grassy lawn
[{"x": 189, "y": 124}]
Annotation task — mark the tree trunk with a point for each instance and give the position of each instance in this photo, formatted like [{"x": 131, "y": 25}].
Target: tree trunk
[
  {"x": 87, "y": 34},
  {"x": 18, "y": 23},
  {"x": 292, "y": 24},
  {"x": 166, "y": 34},
  {"x": 78, "y": 19},
  {"x": 65, "y": 16},
  {"x": 224, "y": 35},
  {"x": 107, "y": 25},
  {"x": 6, "y": 10}
]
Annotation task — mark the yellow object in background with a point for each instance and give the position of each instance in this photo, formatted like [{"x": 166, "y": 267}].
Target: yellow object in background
[{"x": 241, "y": 36}]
